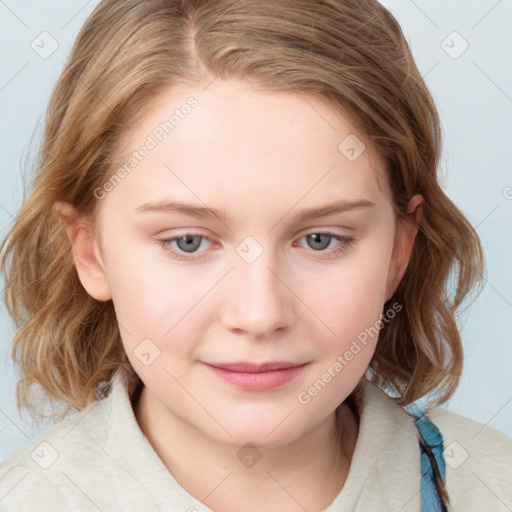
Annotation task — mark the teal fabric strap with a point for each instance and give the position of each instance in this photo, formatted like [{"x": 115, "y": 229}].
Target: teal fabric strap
[{"x": 432, "y": 460}]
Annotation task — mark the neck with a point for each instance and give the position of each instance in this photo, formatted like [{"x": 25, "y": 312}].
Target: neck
[{"x": 307, "y": 473}]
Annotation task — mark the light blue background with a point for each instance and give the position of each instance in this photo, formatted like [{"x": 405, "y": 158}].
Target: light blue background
[{"x": 474, "y": 96}]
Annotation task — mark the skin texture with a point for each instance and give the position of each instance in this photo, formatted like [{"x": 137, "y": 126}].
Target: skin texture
[{"x": 260, "y": 157}]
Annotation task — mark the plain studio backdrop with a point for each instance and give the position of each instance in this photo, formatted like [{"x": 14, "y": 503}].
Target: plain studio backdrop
[{"x": 464, "y": 51}]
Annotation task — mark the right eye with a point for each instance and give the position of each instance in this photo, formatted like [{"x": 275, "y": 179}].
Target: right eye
[{"x": 184, "y": 244}]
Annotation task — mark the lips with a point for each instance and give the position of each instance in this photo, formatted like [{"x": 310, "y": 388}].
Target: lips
[
  {"x": 247, "y": 367},
  {"x": 257, "y": 377}
]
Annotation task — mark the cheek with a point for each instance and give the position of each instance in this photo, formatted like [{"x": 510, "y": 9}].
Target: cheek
[
  {"x": 350, "y": 303},
  {"x": 149, "y": 298},
  {"x": 161, "y": 307},
  {"x": 156, "y": 307},
  {"x": 353, "y": 292}
]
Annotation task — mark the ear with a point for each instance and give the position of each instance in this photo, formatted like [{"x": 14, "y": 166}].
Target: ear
[
  {"x": 86, "y": 251},
  {"x": 407, "y": 228}
]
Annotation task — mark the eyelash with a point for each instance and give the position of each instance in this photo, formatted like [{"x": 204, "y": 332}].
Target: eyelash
[{"x": 345, "y": 245}]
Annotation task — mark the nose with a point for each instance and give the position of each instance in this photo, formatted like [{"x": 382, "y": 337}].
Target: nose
[{"x": 258, "y": 302}]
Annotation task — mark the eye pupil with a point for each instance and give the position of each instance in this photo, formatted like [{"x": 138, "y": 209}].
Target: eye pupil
[
  {"x": 192, "y": 242},
  {"x": 316, "y": 238}
]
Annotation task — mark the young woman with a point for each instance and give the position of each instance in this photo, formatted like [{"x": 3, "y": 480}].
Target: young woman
[{"x": 233, "y": 265}]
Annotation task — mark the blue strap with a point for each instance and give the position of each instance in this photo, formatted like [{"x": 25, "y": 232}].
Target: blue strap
[{"x": 431, "y": 453}]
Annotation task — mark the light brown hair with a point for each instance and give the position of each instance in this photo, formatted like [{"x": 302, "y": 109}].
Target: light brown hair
[{"x": 351, "y": 53}]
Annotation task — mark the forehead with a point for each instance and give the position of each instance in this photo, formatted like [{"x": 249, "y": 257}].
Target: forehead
[{"x": 255, "y": 148}]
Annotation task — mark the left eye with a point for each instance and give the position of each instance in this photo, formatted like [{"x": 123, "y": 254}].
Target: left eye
[{"x": 320, "y": 241}]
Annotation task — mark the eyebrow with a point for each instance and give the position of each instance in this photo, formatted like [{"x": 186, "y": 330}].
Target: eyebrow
[{"x": 202, "y": 212}]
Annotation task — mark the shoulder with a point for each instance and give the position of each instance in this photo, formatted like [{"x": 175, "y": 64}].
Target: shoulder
[
  {"x": 37, "y": 476},
  {"x": 478, "y": 460},
  {"x": 471, "y": 432}
]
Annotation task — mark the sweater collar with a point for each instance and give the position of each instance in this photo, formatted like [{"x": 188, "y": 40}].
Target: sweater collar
[{"x": 384, "y": 473}]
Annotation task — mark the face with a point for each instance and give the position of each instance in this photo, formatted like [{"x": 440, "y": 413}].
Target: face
[{"x": 261, "y": 280}]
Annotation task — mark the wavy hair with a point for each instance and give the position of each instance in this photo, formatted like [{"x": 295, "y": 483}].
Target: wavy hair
[{"x": 350, "y": 53}]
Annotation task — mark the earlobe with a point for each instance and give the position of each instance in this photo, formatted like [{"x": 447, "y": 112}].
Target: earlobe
[
  {"x": 407, "y": 230},
  {"x": 86, "y": 252}
]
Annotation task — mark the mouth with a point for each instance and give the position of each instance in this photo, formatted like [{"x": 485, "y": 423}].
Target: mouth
[
  {"x": 257, "y": 377},
  {"x": 248, "y": 367}
]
